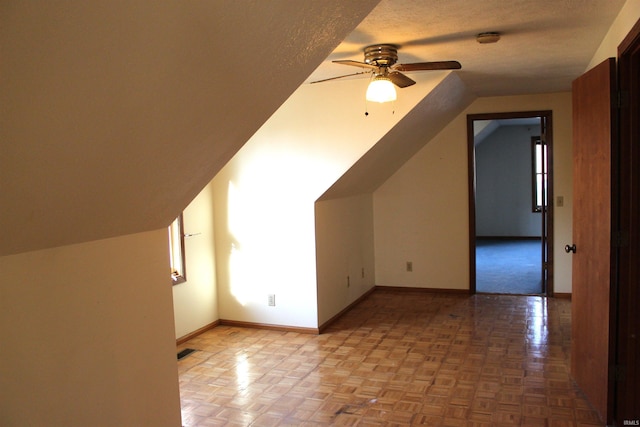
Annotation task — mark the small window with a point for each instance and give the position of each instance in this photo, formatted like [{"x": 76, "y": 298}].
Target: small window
[
  {"x": 539, "y": 176},
  {"x": 176, "y": 251}
]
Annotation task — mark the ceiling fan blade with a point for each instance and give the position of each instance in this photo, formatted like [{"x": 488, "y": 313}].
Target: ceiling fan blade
[
  {"x": 355, "y": 64},
  {"x": 340, "y": 77},
  {"x": 426, "y": 66},
  {"x": 400, "y": 79}
]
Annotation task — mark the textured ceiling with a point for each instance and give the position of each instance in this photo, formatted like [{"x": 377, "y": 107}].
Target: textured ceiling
[{"x": 545, "y": 44}]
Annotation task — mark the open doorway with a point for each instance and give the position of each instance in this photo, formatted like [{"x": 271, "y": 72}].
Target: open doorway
[{"x": 510, "y": 182}]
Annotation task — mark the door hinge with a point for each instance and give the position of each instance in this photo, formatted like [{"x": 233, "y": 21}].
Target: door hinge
[
  {"x": 620, "y": 239},
  {"x": 623, "y": 99},
  {"x": 545, "y": 265}
]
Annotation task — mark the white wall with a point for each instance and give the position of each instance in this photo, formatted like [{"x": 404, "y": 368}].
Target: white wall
[
  {"x": 503, "y": 184},
  {"x": 421, "y": 216},
  {"x": 264, "y": 197},
  {"x": 195, "y": 302},
  {"x": 421, "y": 212},
  {"x": 87, "y": 335},
  {"x": 344, "y": 247}
]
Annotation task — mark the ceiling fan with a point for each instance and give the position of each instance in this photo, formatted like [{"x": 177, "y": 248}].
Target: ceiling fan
[{"x": 380, "y": 61}]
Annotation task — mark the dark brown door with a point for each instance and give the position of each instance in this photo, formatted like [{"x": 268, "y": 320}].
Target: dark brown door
[
  {"x": 627, "y": 374},
  {"x": 593, "y": 130}
]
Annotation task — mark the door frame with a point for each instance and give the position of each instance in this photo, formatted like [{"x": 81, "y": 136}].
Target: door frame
[{"x": 546, "y": 124}]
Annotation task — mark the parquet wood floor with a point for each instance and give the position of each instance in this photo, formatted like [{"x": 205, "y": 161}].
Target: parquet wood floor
[{"x": 396, "y": 359}]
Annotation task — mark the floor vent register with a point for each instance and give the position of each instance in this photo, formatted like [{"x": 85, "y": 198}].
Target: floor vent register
[{"x": 184, "y": 353}]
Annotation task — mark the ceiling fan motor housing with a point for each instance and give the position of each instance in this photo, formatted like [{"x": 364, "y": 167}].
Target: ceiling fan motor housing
[{"x": 381, "y": 55}]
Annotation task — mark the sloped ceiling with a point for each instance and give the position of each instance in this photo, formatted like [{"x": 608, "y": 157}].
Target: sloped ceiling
[
  {"x": 448, "y": 99},
  {"x": 114, "y": 115}
]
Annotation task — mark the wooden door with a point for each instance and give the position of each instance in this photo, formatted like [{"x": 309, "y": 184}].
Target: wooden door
[{"x": 593, "y": 128}]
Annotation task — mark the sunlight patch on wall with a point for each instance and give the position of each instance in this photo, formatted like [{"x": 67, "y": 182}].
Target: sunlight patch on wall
[
  {"x": 243, "y": 268},
  {"x": 271, "y": 226}
]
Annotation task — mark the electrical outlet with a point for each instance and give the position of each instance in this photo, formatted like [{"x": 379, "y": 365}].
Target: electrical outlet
[
  {"x": 559, "y": 201},
  {"x": 409, "y": 266},
  {"x": 272, "y": 300}
]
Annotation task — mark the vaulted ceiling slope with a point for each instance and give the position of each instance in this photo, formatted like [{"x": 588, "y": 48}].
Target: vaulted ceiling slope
[
  {"x": 114, "y": 115},
  {"x": 448, "y": 99}
]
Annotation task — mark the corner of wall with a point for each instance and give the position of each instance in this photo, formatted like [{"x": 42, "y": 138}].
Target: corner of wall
[
  {"x": 91, "y": 335},
  {"x": 196, "y": 301}
]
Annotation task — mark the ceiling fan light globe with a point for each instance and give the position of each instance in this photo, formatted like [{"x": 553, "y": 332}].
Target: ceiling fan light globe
[{"x": 381, "y": 90}]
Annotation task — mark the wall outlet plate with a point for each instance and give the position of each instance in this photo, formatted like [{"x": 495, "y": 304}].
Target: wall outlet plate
[{"x": 272, "y": 300}]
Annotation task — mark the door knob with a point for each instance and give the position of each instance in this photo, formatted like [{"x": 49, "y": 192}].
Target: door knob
[{"x": 570, "y": 248}]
